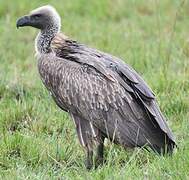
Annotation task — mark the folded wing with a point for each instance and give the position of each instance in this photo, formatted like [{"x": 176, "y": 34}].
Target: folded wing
[{"x": 102, "y": 89}]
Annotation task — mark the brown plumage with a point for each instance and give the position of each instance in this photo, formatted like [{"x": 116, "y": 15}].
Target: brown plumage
[{"x": 104, "y": 96}]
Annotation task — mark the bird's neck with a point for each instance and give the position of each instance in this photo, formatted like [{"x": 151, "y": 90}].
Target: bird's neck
[{"x": 44, "y": 38}]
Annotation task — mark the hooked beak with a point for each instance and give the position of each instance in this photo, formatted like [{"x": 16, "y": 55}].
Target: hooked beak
[{"x": 23, "y": 21}]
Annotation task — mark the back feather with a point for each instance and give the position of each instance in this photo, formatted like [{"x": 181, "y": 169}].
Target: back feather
[{"x": 102, "y": 89}]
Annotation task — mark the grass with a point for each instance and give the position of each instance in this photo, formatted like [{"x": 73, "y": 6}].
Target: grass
[{"x": 38, "y": 140}]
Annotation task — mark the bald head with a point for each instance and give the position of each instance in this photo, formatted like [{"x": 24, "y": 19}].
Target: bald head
[{"x": 43, "y": 18}]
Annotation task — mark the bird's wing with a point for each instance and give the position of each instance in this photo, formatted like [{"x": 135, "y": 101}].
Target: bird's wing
[
  {"x": 116, "y": 74},
  {"x": 63, "y": 45},
  {"x": 91, "y": 95}
]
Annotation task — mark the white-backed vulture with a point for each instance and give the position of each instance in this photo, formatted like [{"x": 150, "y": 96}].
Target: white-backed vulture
[{"x": 104, "y": 96}]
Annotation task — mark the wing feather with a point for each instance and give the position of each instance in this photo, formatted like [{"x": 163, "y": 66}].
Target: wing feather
[{"x": 107, "y": 92}]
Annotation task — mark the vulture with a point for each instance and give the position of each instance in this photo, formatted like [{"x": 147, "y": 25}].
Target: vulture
[{"x": 105, "y": 97}]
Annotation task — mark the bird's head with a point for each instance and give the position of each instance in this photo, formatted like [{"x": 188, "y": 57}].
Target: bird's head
[{"x": 42, "y": 18}]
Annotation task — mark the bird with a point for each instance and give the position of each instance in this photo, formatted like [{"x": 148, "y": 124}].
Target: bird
[{"x": 104, "y": 96}]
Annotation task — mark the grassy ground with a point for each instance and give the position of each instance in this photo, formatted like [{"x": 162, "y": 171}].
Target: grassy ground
[{"x": 38, "y": 141}]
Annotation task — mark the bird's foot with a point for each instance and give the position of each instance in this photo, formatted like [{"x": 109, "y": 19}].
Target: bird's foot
[
  {"x": 99, "y": 162},
  {"x": 88, "y": 164}
]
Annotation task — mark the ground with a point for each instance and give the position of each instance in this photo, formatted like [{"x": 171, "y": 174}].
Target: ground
[{"x": 38, "y": 140}]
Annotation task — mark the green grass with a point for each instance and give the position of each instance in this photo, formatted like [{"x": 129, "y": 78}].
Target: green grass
[{"x": 38, "y": 140}]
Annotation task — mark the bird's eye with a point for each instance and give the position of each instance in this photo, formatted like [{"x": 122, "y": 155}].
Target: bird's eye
[{"x": 37, "y": 16}]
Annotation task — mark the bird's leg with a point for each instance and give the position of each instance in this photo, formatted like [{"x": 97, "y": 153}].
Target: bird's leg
[
  {"x": 89, "y": 159},
  {"x": 99, "y": 153}
]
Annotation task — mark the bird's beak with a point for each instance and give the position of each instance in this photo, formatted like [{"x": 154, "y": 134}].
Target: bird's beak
[{"x": 23, "y": 21}]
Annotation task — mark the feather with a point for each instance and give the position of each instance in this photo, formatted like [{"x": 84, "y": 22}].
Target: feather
[
  {"x": 113, "y": 106},
  {"x": 106, "y": 96}
]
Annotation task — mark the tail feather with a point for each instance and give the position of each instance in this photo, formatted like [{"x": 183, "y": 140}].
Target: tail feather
[
  {"x": 167, "y": 148},
  {"x": 141, "y": 132}
]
